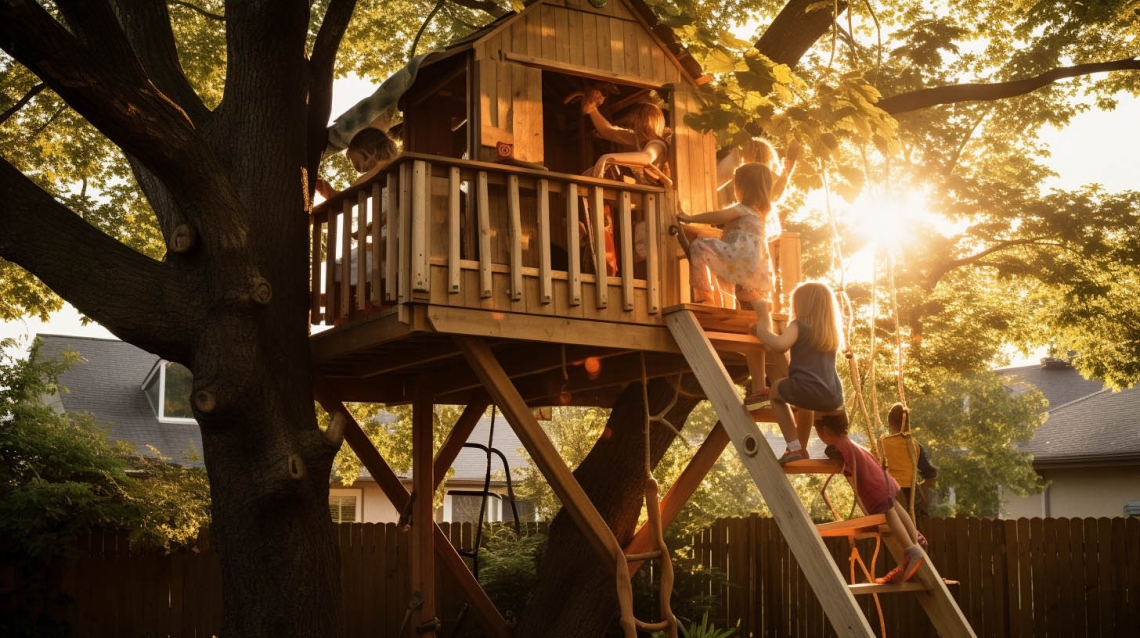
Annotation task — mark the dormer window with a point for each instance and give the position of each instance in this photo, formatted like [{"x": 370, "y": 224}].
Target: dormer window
[{"x": 167, "y": 388}]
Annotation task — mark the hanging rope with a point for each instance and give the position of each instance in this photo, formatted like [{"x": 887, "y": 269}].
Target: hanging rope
[{"x": 848, "y": 312}]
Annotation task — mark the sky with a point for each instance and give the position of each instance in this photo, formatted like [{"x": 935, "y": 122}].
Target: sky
[{"x": 1097, "y": 147}]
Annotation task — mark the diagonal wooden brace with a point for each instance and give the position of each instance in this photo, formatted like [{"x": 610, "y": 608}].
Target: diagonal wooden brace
[{"x": 390, "y": 484}]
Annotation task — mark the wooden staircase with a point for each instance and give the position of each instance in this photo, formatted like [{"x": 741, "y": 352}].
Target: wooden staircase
[{"x": 804, "y": 538}]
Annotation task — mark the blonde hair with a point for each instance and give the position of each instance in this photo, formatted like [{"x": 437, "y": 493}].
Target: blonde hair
[
  {"x": 814, "y": 305},
  {"x": 761, "y": 151},
  {"x": 754, "y": 184},
  {"x": 647, "y": 122}
]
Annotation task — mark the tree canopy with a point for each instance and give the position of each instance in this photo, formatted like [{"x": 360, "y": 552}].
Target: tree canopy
[{"x": 156, "y": 157}]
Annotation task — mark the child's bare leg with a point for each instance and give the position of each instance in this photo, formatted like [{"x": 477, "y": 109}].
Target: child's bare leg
[
  {"x": 757, "y": 362},
  {"x": 783, "y": 414},
  {"x": 805, "y": 419},
  {"x": 901, "y": 526}
]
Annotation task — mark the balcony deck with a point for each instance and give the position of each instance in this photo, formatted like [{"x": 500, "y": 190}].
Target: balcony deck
[{"x": 564, "y": 334}]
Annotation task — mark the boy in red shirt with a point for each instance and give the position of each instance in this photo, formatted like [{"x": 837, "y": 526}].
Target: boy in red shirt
[{"x": 875, "y": 491}]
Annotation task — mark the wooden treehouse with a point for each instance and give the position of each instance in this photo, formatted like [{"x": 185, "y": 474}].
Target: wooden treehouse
[{"x": 461, "y": 274}]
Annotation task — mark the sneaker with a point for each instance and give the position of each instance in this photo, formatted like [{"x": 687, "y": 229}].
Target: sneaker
[
  {"x": 796, "y": 455},
  {"x": 912, "y": 560},
  {"x": 756, "y": 401}
]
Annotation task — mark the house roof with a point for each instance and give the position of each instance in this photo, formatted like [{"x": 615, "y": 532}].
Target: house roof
[
  {"x": 1087, "y": 423},
  {"x": 107, "y": 384},
  {"x": 471, "y": 463}
]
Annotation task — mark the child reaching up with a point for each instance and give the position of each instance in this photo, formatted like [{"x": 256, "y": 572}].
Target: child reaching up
[
  {"x": 740, "y": 257},
  {"x": 813, "y": 336},
  {"x": 875, "y": 490}
]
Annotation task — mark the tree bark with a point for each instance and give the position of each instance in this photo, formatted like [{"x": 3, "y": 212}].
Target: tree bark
[
  {"x": 575, "y": 596},
  {"x": 234, "y": 307}
]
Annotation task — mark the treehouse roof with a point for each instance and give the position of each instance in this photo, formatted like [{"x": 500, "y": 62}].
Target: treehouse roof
[{"x": 551, "y": 17}]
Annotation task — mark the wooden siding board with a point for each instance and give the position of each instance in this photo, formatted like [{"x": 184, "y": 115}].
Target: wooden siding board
[
  {"x": 549, "y": 35},
  {"x": 630, "y": 47},
  {"x": 575, "y": 37},
  {"x": 587, "y": 40},
  {"x": 562, "y": 36},
  {"x": 617, "y": 46}
]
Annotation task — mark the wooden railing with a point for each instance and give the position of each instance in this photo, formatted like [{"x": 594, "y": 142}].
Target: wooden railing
[{"x": 462, "y": 233}]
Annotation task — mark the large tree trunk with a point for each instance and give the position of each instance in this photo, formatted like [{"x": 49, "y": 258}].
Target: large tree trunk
[
  {"x": 230, "y": 300},
  {"x": 575, "y": 596}
]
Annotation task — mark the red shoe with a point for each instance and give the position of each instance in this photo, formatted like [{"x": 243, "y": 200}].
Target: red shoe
[
  {"x": 797, "y": 455},
  {"x": 912, "y": 560}
]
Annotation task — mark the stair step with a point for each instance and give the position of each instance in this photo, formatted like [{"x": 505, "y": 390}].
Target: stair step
[
  {"x": 852, "y": 527},
  {"x": 813, "y": 466},
  {"x": 863, "y": 589}
]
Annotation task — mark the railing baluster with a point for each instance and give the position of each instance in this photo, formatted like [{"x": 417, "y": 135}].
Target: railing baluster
[
  {"x": 515, "y": 215},
  {"x": 652, "y": 274},
  {"x": 601, "y": 280},
  {"x": 545, "y": 282},
  {"x": 453, "y": 230},
  {"x": 377, "y": 250},
  {"x": 344, "y": 297},
  {"x": 421, "y": 226},
  {"x": 362, "y": 252},
  {"x": 484, "y": 212},
  {"x": 402, "y": 261},
  {"x": 625, "y": 216},
  {"x": 574, "y": 275},
  {"x": 315, "y": 273},
  {"x": 392, "y": 220},
  {"x": 330, "y": 267}
]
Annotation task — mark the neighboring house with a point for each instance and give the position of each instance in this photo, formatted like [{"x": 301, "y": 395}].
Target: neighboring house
[
  {"x": 144, "y": 401},
  {"x": 1087, "y": 451}
]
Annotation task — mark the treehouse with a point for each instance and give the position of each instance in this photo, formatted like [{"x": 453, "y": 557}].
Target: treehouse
[{"x": 482, "y": 265}]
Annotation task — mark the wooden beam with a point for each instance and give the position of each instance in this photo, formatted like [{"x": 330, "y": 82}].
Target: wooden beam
[
  {"x": 795, "y": 524},
  {"x": 596, "y": 74},
  {"x": 509, "y": 325},
  {"x": 598, "y": 219},
  {"x": 625, "y": 224},
  {"x": 851, "y": 526},
  {"x": 423, "y": 491},
  {"x": 377, "y": 248},
  {"x": 363, "y": 333},
  {"x": 362, "y": 250},
  {"x": 542, "y": 451},
  {"x": 330, "y": 268},
  {"x": 460, "y": 432},
  {"x": 345, "y": 267},
  {"x": 390, "y": 484},
  {"x": 652, "y": 262},
  {"x": 391, "y": 247}
]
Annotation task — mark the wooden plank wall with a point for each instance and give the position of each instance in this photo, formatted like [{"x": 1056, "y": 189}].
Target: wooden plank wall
[
  {"x": 608, "y": 41},
  {"x": 1034, "y": 578},
  {"x": 694, "y": 159}
]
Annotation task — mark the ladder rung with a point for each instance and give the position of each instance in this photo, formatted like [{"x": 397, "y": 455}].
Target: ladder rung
[
  {"x": 893, "y": 588},
  {"x": 813, "y": 466},
  {"x": 863, "y": 589},
  {"x": 633, "y": 558},
  {"x": 851, "y": 527}
]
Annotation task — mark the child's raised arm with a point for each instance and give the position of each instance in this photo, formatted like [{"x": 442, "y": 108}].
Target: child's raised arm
[
  {"x": 777, "y": 342},
  {"x": 716, "y": 217}
]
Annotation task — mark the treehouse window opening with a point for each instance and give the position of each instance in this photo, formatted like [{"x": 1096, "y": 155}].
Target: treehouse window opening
[{"x": 436, "y": 115}]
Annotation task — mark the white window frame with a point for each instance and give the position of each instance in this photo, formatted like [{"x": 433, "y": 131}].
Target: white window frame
[
  {"x": 494, "y": 513},
  {"x": 356, "y": 493},
  {"x": 160, "y": 409}
]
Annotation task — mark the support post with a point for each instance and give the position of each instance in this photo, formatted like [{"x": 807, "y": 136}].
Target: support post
[{"x": 423, "y": 489}]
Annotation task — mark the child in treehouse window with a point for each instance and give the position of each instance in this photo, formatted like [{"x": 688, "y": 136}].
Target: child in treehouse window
[{"x": 369, "y": 151}]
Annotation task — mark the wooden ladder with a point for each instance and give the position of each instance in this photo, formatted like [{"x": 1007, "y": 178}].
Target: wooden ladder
[{"x": 803, "y": 537}]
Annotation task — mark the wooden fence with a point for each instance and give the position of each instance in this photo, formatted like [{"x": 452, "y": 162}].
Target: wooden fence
[{"x": 1033, "y": 578}]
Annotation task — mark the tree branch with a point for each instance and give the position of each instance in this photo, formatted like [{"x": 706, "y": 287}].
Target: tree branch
[
  {"x": 22, "y": 102},
  {"x": 954, "y": 93},
  {"x": 795, "y": 30},
  {"x": 148, "y": 29},
  {"x": 486, "y": 6},
  {"x": 115, "y": 95},
  {"x": 200, "y": 11},
  {"x": 321, "y": 63},
  {"x": 138, "y": 299},
  {"x": 941, "y": 271}
]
